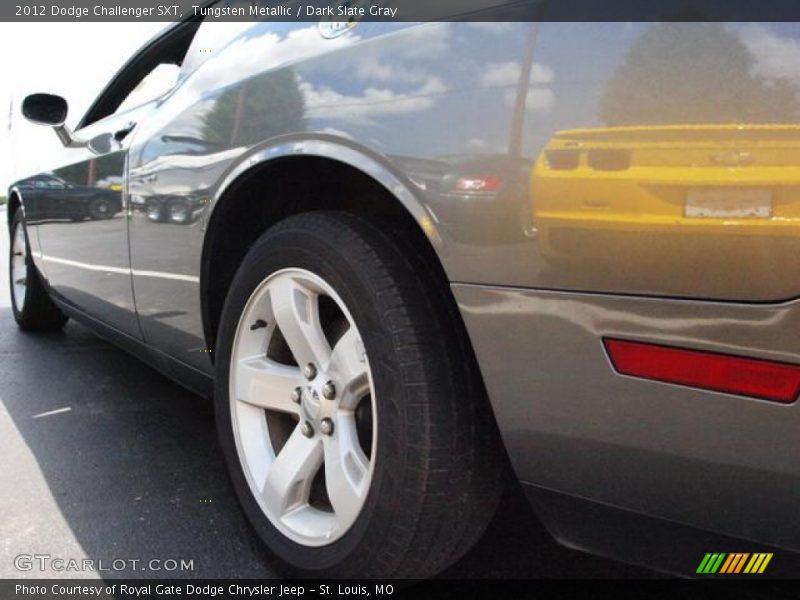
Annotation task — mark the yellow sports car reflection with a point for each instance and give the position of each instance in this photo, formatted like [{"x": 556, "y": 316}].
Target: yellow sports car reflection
[{"x": 670, "y": 201}]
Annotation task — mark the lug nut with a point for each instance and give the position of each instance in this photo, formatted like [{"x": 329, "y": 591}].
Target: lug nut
[
  {"x": 326, "y": 426},
  {"x": 297, "y": 395},
  {"x": 329, "y": 391},
  {"x": 306, "y": 429},
  {"x": 310, "y": 371}
]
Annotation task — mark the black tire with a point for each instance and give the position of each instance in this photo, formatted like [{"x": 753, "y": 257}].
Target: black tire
[
  {"x": 38, "y": 312},
  {"x": 100, "y": 209},
  {"x": 440, "y": 468}
]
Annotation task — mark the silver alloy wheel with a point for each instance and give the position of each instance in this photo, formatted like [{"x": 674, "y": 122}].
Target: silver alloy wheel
[
  {"x": 19, "y": 267},
  {"x": 309, "y": 463}
]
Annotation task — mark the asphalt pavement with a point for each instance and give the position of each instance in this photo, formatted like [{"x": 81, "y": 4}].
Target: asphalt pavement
[{"x": 102, "y": 458}]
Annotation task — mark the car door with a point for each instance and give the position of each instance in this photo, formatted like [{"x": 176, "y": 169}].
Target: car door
[
  {"x": 84, "y": 242},
  {"x": 83, "y": 228}
]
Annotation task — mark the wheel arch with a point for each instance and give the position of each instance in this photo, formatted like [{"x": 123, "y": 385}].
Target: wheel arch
[{"x": 282, "y": 178}]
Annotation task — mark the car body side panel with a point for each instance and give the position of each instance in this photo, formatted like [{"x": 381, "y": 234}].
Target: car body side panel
[
  {"x": 666, "y": 162},
  {"x": 679, "y": 130},
  {"x": 475, "y": 141},
  {"x": 458, "y": 131},
  {"x": 279, "y": 90},
  {"x": 78, "y": 212},
  {"x": 572, "y": 424}
]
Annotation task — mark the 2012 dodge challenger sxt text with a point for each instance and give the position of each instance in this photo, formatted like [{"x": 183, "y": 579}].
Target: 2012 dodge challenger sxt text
[{"x": 407, "y": 260}]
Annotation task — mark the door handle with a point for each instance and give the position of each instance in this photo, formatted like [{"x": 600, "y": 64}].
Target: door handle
[{"x": 122, "y": 133}]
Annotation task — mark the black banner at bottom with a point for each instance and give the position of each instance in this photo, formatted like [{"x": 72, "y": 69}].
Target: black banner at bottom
[{"x": 141, "y": 589}]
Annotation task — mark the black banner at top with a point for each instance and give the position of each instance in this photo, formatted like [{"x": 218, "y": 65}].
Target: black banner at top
[{"x": 399, "y": 10}]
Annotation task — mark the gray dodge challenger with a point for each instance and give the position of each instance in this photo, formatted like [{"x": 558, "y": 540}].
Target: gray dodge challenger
[{"x": 415, "y": 264}]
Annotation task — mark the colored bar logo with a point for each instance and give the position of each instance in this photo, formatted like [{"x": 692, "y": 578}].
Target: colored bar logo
[{"x": 734, "y": 563}]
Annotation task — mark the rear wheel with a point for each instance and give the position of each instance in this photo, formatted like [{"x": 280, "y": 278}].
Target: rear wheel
[
  {"x": 32, "y": 307},
  {"x": 354, "y": 425}
]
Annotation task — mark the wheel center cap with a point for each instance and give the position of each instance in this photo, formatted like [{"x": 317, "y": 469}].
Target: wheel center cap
[{"x": 310, "y": 403}]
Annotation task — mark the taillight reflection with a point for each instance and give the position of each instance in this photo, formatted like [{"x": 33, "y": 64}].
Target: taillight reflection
[
  {"x": 478, "y": 184},
  {"x": 562, "y": 160}
]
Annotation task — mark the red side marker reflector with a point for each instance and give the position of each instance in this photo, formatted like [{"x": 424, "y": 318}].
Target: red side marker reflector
[
  {"x": 478, "y": 184},
  {"x": 764, "y": 379}
]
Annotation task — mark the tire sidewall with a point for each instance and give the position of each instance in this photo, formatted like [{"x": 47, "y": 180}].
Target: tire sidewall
[{"x": 352, "y": 285}]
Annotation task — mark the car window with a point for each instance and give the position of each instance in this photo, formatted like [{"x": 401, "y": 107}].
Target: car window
[
  {"x": 211, "y": 37},
  {"x": 49, "y": 183},
  {"x": 149, "y": 74}
]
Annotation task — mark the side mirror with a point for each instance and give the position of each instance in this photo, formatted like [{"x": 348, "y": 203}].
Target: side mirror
[
  {"x": 49, "y": 109},
  {"x": 45, "y": 109}
]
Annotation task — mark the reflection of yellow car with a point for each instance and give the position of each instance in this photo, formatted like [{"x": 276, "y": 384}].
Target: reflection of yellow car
[{"x": 701, "y": 194}]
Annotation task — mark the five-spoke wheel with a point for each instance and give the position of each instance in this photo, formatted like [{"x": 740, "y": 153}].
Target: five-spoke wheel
[{"x": 303, "y": 407}]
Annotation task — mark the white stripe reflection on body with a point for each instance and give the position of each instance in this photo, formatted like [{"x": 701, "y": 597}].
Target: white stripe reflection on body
[
  {"x": 121, "y": 270},
  {"x": 49, "y": 413}
]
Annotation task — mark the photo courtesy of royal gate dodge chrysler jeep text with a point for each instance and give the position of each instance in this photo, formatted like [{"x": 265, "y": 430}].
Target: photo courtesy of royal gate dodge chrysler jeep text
[{"x": 414, "y": 262}]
